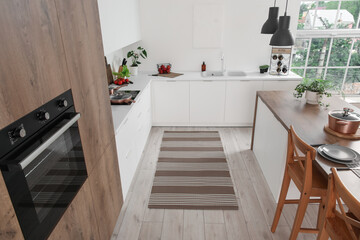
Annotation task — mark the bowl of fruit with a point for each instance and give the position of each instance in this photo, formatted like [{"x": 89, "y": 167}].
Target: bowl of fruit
[{"x": 164, "y": 68}]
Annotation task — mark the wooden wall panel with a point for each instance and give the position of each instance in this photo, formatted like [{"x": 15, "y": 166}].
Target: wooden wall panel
[
  {"x": 32, "y": 60},
  {"x": 47, "y": 47},
  {"x": 80, "y": 25},
  {"x": 9, "y": 226},
  {"x": 32, "y": 71},
  {"x": 79, "y": 221},
  {"x": 106, "y": 191}
]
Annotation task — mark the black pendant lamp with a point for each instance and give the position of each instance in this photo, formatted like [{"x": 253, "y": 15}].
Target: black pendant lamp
[
  {"x": 282, "y": 36},
  {"x": 271, "y": 24}
]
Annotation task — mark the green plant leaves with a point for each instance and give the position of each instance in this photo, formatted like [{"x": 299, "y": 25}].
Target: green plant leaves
[
  {"x": 135, "y": 56},
  {"x": 315, "y": 85}
]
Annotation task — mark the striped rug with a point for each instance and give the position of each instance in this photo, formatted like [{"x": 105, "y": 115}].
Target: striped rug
[{"x": 192, "y": 173}]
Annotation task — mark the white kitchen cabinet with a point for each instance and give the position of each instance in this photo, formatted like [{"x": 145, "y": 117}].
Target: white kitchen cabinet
[
  {"x": 240, "y": 102},
  {"x": 207, "y": 101},
  {"x": 170, "y": 102},
  {"x": 280, "y": 85},
  {"x": 131, "y": 138},
  {"x": 270, "y": 147},
  {"x": 113, "y": 29}
]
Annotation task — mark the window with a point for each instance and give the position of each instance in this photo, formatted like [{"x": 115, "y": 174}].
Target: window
[{"x": 327, "y": 43}]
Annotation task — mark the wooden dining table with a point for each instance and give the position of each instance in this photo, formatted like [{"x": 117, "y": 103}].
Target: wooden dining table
[{"x": 309, "y": 121}]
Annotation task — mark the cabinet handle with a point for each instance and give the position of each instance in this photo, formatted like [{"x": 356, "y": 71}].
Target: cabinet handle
[
  {"x": 125, "y": 121},
  {"x": 139, "y": 128},
  {"x": 128, "y": 154},
  {"x": 139, "y": 115},
  {"x": 171, "y": 81},
  {"x": 207, "y": 80}
]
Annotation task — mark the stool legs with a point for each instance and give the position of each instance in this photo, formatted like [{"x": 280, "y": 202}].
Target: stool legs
[
  {"x": 323, "y": 235},
  {"x": 321, "y": 213},
  {"x": 281, "y": 202},
  {"x": 300, "y": 213}
]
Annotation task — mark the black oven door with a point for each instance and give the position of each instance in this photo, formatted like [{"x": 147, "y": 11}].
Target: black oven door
[{"x": 44, "y": 176}]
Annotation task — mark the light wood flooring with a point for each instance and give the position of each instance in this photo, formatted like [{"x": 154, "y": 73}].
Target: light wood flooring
[{"x": 251, "y": 221}]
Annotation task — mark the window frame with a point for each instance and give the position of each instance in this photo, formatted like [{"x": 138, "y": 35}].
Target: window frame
[{"x": 331, "y": 33}]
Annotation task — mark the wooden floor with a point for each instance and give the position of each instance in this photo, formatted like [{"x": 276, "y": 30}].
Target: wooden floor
[{"x": 251, "y": 221}]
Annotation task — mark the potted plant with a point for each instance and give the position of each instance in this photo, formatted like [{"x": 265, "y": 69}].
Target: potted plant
[
  {"x": 123, "y": 73},
  {"x": 135, "y": 55},
  {"x": 314, "y": 90},
  {"x": 263, "y": 68}
]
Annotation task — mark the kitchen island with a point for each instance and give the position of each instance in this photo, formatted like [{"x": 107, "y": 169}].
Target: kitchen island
[{"x": 274, "y": 113}]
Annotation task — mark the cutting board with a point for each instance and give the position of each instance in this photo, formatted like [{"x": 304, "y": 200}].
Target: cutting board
[
  {"x": 108, "y": 72},
  {"x": 169, "y": 75},
  {"x": 355, "y": 136}
]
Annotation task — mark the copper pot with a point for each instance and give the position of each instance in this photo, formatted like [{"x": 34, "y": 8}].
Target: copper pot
[{"x": 344, "y": 121}]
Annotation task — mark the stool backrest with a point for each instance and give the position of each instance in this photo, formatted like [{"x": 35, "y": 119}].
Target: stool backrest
[
  {"x": 303, "y": 154},
  {"x": 301, "y": 145},
  {"x": 338, "y": 195}
]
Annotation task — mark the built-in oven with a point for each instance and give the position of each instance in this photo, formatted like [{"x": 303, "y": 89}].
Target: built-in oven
[{"x": 42, "y": 162}]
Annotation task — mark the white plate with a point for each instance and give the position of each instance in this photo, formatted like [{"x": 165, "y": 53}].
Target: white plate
[{"x": 339, "y": 152}]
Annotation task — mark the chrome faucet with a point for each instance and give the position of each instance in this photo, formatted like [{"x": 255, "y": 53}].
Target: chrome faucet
[{"x": 223, "y": 66}]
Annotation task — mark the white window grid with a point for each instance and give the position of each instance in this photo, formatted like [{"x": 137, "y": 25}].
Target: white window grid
[{"x": 329, "y": 33}]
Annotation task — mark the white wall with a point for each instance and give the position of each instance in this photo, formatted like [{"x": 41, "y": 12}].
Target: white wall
[
  {"x": 167, "y": 34},
  {"x": 120, "y": 23}
]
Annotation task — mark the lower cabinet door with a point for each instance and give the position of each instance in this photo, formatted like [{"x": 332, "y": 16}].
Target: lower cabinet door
[
  {"x": 170, "y": 102},
  {"x": 124, "y": 147},
  {"x": 240, "y": 102},
  {"x": 207, "y": 102}
]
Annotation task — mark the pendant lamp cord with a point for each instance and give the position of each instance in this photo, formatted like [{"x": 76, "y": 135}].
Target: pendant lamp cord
[
  {"x": 275, "y": 3},
  {"x": 286, "y": 7}
]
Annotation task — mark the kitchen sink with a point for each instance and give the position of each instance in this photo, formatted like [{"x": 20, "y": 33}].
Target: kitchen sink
[
  {"x": 221, "y": 74},
  {"x": 212, "y": 74},
  {"x": 236, "y": 74}
]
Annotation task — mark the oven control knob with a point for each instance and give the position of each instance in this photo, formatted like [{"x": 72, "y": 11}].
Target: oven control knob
[
  {"x": 62, "y": 103},
  {"x": 19, "y": 132},
  {"x": 43, "y": 115}
]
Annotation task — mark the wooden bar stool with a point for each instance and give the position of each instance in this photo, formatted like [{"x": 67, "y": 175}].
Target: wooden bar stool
[
  {"x": 337, "y": 223},
  {"x": 308, "y": 179}
]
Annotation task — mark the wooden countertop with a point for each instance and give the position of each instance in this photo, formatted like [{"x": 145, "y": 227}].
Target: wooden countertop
[{"x": 309, "y": 121}]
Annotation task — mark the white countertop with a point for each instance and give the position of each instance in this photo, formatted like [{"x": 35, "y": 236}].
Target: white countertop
[
  {"x": 119, "y": 112},
  {"x": 255, "y": 76}
]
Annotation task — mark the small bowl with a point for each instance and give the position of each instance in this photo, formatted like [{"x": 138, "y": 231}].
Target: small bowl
[{"x": 163, "y": 71}]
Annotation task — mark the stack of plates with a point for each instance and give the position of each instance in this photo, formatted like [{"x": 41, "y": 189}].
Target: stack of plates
[{"x": 339, "y": 154}]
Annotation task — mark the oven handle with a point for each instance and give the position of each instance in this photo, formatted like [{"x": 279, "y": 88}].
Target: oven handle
[{"x": 24, "y": 163}]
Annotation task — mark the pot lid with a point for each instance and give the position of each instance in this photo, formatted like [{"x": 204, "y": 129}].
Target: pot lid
[{"x": 345, "y": 114}]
